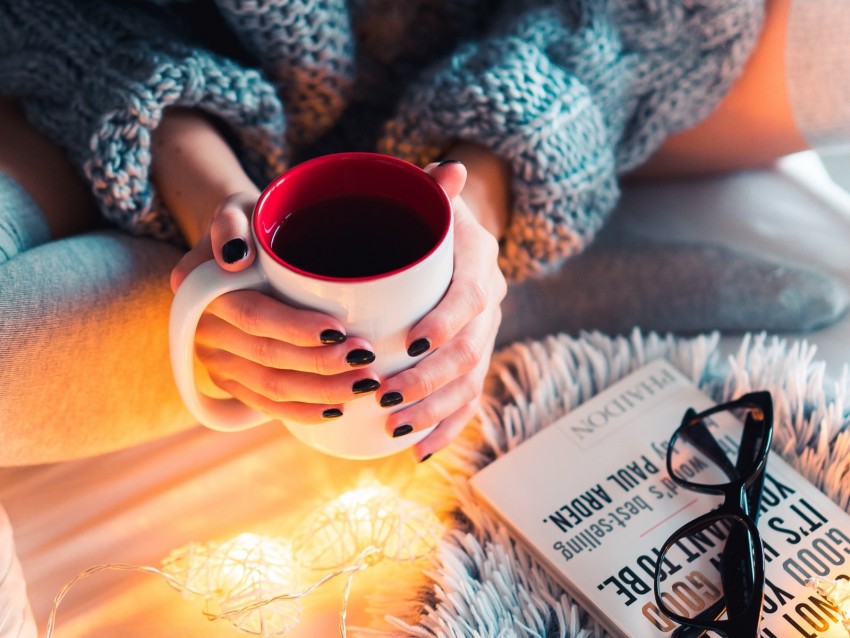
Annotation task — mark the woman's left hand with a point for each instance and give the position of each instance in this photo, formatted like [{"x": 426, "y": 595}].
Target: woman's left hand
[{"x": 461, "y": 330}]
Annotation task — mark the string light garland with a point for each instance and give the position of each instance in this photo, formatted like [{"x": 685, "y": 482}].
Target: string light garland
[
  {"x": 837, "y": 592},
  {"x": 254, "y": 581}
]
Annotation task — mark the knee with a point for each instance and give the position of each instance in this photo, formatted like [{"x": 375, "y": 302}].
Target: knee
[
  {"x": 22, "y": 224},
  {"x": 84, "y": 348}
]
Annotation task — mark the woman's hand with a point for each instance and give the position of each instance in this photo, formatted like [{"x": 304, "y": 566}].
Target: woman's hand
[
  {"x": 462, "y": 328},
  {"x": 299, "y": 365},
  {"x": 290, "y": 364}
]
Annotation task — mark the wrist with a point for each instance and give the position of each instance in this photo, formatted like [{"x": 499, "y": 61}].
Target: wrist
[
  {"x": 487, "y": 191},
  {"x": 195, "y": 169}
]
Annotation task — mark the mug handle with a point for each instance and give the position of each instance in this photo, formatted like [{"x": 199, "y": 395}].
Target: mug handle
[{"x": 204, "y": 284}]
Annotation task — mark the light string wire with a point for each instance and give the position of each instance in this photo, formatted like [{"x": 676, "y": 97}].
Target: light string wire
[
  {"x": 51, "y": 621},
  {"x": 362, "y": 563},
  {"x": 353, "y": 532}
]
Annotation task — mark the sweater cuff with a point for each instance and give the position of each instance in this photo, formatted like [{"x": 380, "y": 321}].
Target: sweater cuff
[
  {"x": 506, "y": 95},
  {"x": 118, "y": 159},
  {"x": 101, "y": 93},
  {"x": 818, "y": 71}
]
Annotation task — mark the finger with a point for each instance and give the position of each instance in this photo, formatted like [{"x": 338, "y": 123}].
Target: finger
[
  {"x": 230, "y": 233},
  {"x": 289, "y": 411},
  {"x": 283, "y": 385},
  {"x": 450, "y": 174},
  {"x": 445, "y": 402},
  {"x": 213, "y": 332},
  {"x": 455, "y": 359},
  {"x": 191, "y": 260},
  {"x": 446, "y": 432},
  {"x": 438, "y": 406},
  {"x": 262, "y": 316}
]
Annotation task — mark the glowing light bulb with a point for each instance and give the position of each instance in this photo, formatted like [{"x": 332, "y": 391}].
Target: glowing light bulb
[
  {"x": 369, "y": 516},
  {"x": 233, "y": 576}
]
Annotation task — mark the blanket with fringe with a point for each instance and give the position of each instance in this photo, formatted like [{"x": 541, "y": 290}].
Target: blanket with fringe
[{"x": 480, "y": 583}]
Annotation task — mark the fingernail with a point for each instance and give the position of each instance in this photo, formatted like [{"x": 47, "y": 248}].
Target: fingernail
[
  {"x": 234, "y": 250},
  {"x": 365, "y": 385},
  {"x": 391, "y": 398},
  {"x": 425, "y": 458},
  {"x": 402, "y": 430},
  {"x": 359, "y": 357},
  {"x": 449, "y": 161},
  {"x": 331, "y": 413},
  {"x": 418, "y": 347},
  {"x": 331, "y": 336}
]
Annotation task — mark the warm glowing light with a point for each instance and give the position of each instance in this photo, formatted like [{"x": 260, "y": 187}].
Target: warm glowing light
[
  {"x": 252, "y": 581},
  {"x": 235, "y": 574},
  {"x": 256, "y": 582},
  {"x": 836, "y": 592},
  {"x": 370, "y": 516}
]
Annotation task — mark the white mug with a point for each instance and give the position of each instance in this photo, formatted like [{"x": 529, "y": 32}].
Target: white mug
[{"x": 379, "y": 306}]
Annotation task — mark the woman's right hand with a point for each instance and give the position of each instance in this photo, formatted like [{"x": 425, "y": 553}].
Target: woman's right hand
[{"x": 290, "y": 364}]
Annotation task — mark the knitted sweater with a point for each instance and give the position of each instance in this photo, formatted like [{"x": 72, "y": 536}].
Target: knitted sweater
[{"x": 570, "y": 93}]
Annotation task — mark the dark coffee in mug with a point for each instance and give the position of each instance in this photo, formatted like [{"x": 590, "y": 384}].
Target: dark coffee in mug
[{"x": 350, "y": 236}]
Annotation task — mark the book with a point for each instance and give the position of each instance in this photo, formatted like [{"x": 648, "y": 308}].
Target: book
[{"x": 590, "y": 497}]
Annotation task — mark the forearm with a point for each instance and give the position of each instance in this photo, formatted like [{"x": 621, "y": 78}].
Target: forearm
[{"x": 194, "y": 170}]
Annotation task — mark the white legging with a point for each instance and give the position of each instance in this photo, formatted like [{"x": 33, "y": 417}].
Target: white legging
[{"x": 83, "y": 339}]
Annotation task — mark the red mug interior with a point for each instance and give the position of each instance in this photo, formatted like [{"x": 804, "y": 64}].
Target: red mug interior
[{"x": 347, "y": 174}]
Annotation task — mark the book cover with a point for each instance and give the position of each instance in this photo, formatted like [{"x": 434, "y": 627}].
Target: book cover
[{"x": 591, "y": 498}]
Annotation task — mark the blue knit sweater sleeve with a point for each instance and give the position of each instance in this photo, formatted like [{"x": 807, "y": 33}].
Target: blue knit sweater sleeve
[
  {"x": 573, "y": 94},
  {"x": 97, "y": 81}
]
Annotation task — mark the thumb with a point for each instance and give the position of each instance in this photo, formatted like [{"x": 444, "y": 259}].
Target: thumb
[
  {"x": 230, "y": 233},
  {"x": 228, "y": 240},
  {"x": 450, "y": 174},
  {"x": 191, "y": 260}
]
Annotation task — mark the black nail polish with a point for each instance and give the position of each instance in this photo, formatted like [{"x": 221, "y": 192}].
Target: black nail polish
[
  {"x": 359, "y": 357},
  {"x": 391, "y": 398},
  {"x": 331, "y": 413},
  {"x": 365, "y": 385},
  {"x": 449, "y": 161},
  {"x": 234, "y": 250},
  {"x": 420, "y": 346},
  {"x": 425, "y": 458},
  {"x": 330, "y": 336},
  {"x": 402, "y": 430}
]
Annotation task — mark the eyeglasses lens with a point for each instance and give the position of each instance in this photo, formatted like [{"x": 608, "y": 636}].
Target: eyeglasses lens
[{"x": 709, "y": 567}]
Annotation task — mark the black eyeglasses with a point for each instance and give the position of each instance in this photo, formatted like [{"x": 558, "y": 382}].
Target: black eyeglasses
[{"x": 710, "y": 573}]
